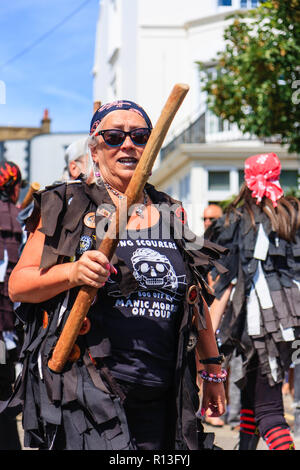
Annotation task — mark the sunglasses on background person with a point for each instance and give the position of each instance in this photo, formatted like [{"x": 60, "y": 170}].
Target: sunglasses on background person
[{"x": 116, "y": 137}]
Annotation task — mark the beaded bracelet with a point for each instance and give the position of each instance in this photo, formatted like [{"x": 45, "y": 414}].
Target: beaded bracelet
[{"x": 217, "y": 378}]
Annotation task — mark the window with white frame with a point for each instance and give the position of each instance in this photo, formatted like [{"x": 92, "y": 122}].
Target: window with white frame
[
  {"x": 218, "y": 180},
  {"x": 249, "y": 3},
  {"x": 241, "y": 178},
  {"x": 289, "y": 179},
  {"x": 185, "y": 188},
  {"x": 213, "y": 123}
]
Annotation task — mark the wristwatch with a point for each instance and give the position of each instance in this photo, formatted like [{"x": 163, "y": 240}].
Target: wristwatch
[{"x": 213, "y": 360}]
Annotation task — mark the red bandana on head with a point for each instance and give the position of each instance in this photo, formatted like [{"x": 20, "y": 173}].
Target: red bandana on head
[{"x": 262, "y": 176}]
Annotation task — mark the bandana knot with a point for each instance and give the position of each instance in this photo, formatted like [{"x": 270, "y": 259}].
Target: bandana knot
[{"x": 262, "y": 177}]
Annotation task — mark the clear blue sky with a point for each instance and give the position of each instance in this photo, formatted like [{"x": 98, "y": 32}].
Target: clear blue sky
[{"x": 46, "y": 61}]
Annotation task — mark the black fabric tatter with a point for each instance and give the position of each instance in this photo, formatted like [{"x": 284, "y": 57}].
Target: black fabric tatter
[
  {"x": 63, "y": 225},
  {"x": 8, "y": 222},
  {"x": 10, "y": 241},
  {"x": 280, "y": 270}
]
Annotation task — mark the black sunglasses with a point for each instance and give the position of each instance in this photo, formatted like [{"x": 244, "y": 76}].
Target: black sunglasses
[{"x": 116, "y": 137}]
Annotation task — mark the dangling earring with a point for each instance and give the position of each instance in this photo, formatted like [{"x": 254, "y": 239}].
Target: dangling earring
[{"x": 96, "y": 170}]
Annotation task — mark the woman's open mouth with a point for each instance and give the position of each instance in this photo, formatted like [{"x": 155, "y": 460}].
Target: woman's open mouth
[{"x": 128, "y": 161}]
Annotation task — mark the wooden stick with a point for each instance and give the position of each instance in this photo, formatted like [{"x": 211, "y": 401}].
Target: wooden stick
[
  {"x": 118, "y": 223},
  {"x": 29, "y": 195},
  {"x": 97, "y": 105}
]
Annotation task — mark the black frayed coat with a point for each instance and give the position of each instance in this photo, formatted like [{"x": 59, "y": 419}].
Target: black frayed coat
[
  {"x": 84, "y": 400},
  {"x": 278, "y": 326}
]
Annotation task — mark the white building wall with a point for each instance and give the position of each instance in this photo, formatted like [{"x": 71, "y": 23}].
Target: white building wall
[
  {"x": 128, "y": 50},
  {"x": 17, "y": 151},
  {"x": 101, "y": 66},
  {"x": 174, "y": 12},
  {"x": 159, "y": 69},
  {"x": 144, "y": 47},
  {"x": 199, "y": 196},
  {"x": 47, "y": 154}
]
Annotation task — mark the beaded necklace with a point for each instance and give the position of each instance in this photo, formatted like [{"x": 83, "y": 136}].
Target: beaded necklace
[{"x": 138, "y": 210}]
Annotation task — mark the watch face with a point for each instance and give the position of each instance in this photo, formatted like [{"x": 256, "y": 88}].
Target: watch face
[{"x": 219, "y": 359}]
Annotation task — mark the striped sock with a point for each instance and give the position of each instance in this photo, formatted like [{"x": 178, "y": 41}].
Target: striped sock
[
  {"x": 247, "y": 422},
  {"x": 279, "y": 438}
]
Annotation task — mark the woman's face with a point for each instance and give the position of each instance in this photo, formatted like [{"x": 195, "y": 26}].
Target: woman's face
[{"x": 117, "y": 164}]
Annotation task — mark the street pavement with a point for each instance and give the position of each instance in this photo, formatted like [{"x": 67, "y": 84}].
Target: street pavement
[{"x": 228, "y": 439}]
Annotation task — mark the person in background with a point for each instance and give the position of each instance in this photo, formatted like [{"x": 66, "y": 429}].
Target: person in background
[
  {"x": 10, "y": 240},
  {"x": 211, "y": 213},
  {"x": 258, "y": 298},
  {"x": 232, "y": 416},
  {"x": 77, "y": 161}
]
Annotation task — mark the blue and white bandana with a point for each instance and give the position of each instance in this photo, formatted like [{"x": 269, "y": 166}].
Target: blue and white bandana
[{"x": 116, "y": 106}]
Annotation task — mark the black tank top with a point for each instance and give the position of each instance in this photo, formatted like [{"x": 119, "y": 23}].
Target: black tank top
[{"x": 143, "y": 326}]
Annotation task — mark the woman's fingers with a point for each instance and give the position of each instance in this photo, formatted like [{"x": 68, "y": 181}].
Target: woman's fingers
[
  {"x": 213, "y": 400},
  {"x": 95, "y": 255},
  {"x": 92, "y": 268},
  {"x": 215, "y": 410}
]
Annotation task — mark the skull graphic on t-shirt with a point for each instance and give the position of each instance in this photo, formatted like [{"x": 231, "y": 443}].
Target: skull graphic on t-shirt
[{"x": 153, "y": 269}]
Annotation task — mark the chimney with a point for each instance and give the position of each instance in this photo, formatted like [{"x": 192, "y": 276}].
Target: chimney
[{"x": 45, "y": 123}]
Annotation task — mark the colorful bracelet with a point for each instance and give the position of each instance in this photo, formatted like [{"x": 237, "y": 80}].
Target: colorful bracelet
[{"x": 217, "y": 378}]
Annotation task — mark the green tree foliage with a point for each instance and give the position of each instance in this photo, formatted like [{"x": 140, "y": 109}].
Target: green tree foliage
[{"x": 256, "y": 83}]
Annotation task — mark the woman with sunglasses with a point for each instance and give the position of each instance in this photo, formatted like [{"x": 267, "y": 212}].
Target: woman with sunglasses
[{"x": 130, "y": 382}]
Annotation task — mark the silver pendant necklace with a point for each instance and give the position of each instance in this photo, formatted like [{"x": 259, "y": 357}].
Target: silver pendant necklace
[{"x": 138, "y": 210}]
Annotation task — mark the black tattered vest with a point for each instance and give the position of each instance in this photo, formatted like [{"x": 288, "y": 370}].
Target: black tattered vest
[{"x": 63, "y": 210}]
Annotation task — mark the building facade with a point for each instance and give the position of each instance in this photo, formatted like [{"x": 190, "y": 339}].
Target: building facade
[
  {"x": 142, "y": 49},
  {"x": 39, "y": 153},
  {"x": 15, "y": 143}
]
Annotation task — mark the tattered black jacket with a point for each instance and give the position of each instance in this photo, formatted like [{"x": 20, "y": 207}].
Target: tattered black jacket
[{"x": 85, "y": 396}]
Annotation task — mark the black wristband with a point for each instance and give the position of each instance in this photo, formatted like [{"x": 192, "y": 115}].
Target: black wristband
[{"x": 213, "y": 360}]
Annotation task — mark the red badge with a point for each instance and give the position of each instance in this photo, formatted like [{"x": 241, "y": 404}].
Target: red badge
[
  {"x": 86, "y": 326},
  {"x": 181, "y": 215},
  {"x": 192, "y": 295}
]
